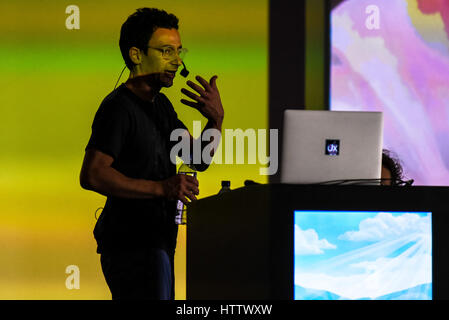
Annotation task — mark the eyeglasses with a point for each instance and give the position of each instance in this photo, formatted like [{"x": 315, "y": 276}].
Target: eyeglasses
[{"x": 169, "y": 53}]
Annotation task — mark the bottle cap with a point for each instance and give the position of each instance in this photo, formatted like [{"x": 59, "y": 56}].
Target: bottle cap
[{"x": 225, "y": 183}]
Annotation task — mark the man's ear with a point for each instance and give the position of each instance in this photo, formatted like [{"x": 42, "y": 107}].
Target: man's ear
[{"x": 135, "y": 55}]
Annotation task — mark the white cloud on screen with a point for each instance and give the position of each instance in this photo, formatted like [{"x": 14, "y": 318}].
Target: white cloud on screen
[
  {"x": 378, "y": 276},
  {"x": 307, "y": 242},
  {"x": 385, "y": 226}
]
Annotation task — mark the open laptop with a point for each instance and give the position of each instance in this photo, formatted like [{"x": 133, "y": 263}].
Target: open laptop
[{"x": 332, "y": 147}]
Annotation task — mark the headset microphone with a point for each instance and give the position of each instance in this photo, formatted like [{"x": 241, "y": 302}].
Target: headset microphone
[
  {"x": 184, "y": 72},
  {"x": 119, "y": 77}
]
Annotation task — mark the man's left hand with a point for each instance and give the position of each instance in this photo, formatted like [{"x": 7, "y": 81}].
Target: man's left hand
[{"x": 208, "y": 102}]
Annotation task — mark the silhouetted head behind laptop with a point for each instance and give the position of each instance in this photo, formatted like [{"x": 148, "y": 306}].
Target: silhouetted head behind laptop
[{"x": 392, "y": 172}]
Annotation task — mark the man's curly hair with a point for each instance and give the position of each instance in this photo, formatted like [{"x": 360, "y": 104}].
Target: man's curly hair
[
  {"x": 139, "y": 27},
  {"x": 393, "y": 164}
]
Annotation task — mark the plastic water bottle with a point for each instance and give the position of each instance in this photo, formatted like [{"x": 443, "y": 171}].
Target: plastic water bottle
[
  {"x": 225, "y": 186},
  {"x": 181, "y": 209}
]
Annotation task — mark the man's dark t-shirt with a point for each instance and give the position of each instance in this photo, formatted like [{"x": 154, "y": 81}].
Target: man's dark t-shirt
[{"x": 136, "y": 133}]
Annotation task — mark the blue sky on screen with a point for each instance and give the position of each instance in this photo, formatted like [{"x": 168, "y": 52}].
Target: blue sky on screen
[{"x": 358, "y": 255}]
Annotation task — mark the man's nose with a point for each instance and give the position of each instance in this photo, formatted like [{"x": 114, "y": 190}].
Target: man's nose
[{"x": 177, "y": 61}]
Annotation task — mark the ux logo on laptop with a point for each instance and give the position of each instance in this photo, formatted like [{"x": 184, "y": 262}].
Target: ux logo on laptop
[{"x": 332, "y": 147}]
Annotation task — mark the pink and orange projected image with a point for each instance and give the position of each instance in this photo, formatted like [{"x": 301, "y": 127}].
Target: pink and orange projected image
[{"x": 393, "y": 56}]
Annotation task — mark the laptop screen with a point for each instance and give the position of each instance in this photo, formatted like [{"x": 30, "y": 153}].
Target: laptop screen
[
  {"x": 362, "y": 255},
  {"x": 331, "y": 146}
]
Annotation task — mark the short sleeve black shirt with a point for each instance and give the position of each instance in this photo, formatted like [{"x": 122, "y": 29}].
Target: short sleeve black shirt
[{"x": 136, "y": 133}]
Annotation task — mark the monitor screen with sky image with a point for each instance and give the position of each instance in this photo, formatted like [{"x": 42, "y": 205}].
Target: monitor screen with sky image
[{"x": 362, "y": 255}]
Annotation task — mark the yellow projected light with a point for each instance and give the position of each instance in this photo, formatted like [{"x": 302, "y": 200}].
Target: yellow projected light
[{"x": 56, "y": 70}]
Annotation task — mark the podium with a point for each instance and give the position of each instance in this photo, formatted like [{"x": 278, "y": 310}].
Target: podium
[{"x": 240, "y": 244}]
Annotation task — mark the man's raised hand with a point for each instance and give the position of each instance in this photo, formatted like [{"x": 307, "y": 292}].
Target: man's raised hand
[{"x": 208, "y": 102}]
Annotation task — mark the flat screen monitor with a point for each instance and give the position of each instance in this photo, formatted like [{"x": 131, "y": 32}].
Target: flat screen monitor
[{"x": 362, "y": 255}]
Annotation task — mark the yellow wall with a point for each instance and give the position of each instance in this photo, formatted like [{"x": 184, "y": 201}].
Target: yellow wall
[{"x": 51, "y": 84}]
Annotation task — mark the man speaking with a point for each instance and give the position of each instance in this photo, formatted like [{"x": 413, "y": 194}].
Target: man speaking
[{"x": 127, "y": 159}]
